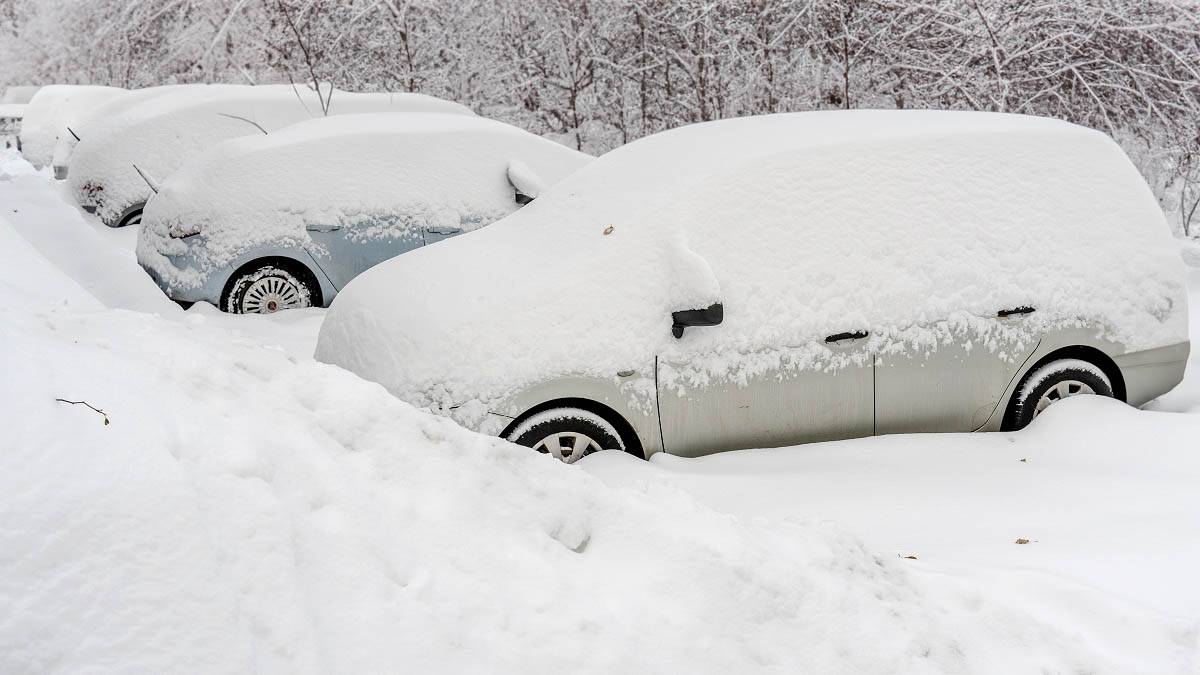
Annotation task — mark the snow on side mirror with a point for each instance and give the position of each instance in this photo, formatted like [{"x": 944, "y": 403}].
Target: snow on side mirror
[
  {"x": 525, "y": 181},
  {"x": 712, "y": 315}
]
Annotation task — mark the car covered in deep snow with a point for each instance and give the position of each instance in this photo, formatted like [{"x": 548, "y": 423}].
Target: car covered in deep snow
[
  {"x": 81, "y": 124},
  {"x": 113, "y": 165},
  {"x": 265, "y": 223},
  {"x": 775, "y": 280},
  {"x": 11, "y": 115},
  {"x": 51, "y": 110}
]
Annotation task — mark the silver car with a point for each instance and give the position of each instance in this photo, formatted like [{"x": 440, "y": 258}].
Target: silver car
[
  {"x": 266, "y": 223},
  {"x": 786, "y": 279}
]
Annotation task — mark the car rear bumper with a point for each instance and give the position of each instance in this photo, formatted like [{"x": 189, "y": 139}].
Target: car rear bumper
[{"x": 1150, "y": 373}]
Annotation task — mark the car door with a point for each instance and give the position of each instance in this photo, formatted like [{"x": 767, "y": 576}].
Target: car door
[
  {"x": 772, "y": 409},
  {"x": 345, "y": 251},
  {"x": 953, "y": 387}
]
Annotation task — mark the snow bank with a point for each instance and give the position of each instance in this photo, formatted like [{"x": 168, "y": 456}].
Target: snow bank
[
  {"x": 915, "y": 226},
  {"x": 58, "y": 231},
  {"x": 162, "y": 134},
  {"x": 245, "y": 512},
  {"x": 398, "y": 173},
  {"x": 51, "y": 110}
]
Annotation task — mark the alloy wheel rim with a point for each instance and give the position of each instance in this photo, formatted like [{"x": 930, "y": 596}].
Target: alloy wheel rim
[
  {"x": 1064, "y": 389},
  {"x": 567, "y": 446},
  {"x": 269, "y": 295}
]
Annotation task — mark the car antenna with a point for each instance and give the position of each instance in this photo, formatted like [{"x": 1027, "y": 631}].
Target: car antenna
[
  {"x": 247, "y": 121},
  {"x": 73, "y": 134},
  {"x": 149, "y": 181}
]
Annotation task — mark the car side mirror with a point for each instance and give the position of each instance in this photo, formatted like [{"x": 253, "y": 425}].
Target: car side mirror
[{"x": 712, "y": 315}]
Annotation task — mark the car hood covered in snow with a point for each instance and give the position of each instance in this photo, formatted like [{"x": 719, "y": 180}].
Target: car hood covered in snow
[
  {"x": 163, "y": 133},
  {"x": 904, "y": 224},
  {"x": 385, "y": 174}
]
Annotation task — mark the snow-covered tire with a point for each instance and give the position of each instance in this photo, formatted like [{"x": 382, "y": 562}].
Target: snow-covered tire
[
  {"x": 1053, "y": 382},
  {"x": 267, "y": 289},
  {"x": 567, "y": 434}
]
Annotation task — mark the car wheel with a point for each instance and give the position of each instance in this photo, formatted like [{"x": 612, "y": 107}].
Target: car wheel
[
  {"x": 1054, "y": 382},
  {"x": 567, "y": 434},
  {"x": 268, "y": 289}
]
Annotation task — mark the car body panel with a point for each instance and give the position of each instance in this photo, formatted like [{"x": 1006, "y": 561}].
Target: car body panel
[
  {"x": 344, "y": 252},
  {"x": 629, "y": 394},
  {"x": 955, "y": 385},
  {"x": 728, "y": 417},
  {"x": 1150, "y": 373},
  {"x": 212, "y": 285},
  {"x": 772, "y": 409}
]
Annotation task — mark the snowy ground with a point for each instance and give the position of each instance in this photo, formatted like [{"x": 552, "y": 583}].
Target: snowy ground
[{"x": 249, "y": 510}]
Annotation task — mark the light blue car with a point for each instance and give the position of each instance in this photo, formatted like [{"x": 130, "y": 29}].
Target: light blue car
[{"x": 265, "y": 223}]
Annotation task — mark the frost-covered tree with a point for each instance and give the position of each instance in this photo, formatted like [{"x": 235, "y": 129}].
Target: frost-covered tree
[{"x": 598, "y": 73}]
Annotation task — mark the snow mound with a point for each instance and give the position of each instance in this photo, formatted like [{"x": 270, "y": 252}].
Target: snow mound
[
  {"x": 246, "y": 512},
  {"x": 386, "y": 174},
  {"x": 163, "y": 133},
  {"x": 915, "y": 226},
  {"x": 51, "y": 110},
  {"x": 12, "y": 165}
]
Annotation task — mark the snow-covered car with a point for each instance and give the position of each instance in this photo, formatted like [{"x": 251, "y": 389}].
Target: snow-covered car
[
  {"x": 265, "y": 223},
  {"x": 51, "y": 110},
  {"x": 769, "y": 281},
  {"x": 112, "y": 164},
  {"x": 19, "y": 94},
  {"x": 11, "y": 115},
  {"x": 80, "y": 126},
  {"x": 13, "y": 103}
]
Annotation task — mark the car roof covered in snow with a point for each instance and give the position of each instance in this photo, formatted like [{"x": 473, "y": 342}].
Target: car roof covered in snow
[
  {"x": 19, "y": 93},
  {"x": 803, "y": 225},
  {"x": 164, "y": 132},
  {"x": 50, "y": 111},
  {"x": 392, "y": 173}
]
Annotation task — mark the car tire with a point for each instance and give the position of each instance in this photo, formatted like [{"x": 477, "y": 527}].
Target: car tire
[
  {"x": 267, "y": 289},
  {"x": 567, "y": 434},
  {"x": 1052, "y": 382}
]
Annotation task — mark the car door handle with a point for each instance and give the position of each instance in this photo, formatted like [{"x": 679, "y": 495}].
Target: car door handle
[
  {"x": 849, "y": 335},
  {"x": 322, "y": 228},
  {"x": 1015, "y": 311},
  {"x": 444, "y": 230}
]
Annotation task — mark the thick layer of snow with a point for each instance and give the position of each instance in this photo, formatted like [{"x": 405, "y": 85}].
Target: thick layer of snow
[
  {"x": 51, "y": 110},
  {"x": 19, "y": 94},
  {"x": 118, "y": 105},
  {"x": 162, "y": 134},
  {"x": 250, "y": 511},
  {"x": 56, "y": 229},
  {"x": 13, "y": 111},
  {"x": 915, "y": 226},
  {"x": 385, "y": 174}
]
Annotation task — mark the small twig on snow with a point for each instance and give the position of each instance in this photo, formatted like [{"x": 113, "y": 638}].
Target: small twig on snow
[{"x": 97, "y": 410}]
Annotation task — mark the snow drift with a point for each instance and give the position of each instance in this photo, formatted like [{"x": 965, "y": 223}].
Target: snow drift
[
  {"x": 51, "y": 110},
  {"x": 915, "y": 226},
  {"x": 162, "y": 134},
  {"x": 387, "y": 174},
  {"x": 247, "y": 512}
]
